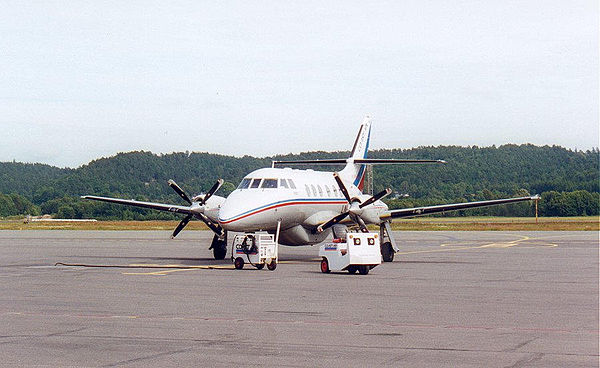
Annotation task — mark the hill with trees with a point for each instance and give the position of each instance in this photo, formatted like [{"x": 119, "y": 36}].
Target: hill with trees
[{"x": 567, "y": 180}]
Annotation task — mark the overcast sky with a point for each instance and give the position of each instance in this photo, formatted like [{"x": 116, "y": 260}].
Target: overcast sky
[{"x": 81, "y": 80}]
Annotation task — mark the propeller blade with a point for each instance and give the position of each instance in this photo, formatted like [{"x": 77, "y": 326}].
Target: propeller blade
[
  {"x": 212, "y": 191},
  {"x": 181, "y": 225},
  {"x": 375, "y": 198},
  {"x": 342, "y": 186},
  {"x": 216, "y": 228},
  {"x": 179, "y": 191},
  {"x": 332, "y": 222}
]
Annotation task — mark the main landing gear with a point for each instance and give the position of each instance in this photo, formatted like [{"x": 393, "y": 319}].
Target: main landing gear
[
  {"x": 219, "y": 247},
  {"x": 387, "y": 243},
  {"x": 387, "y": 252}
]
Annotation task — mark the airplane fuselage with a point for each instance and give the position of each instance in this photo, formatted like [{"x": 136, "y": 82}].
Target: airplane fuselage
[{"x": 298, "y": 199}]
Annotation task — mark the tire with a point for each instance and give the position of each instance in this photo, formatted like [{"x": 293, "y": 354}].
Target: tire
[
  {"x": 363, "y": 270},
  {"x": 219, "y": 251},
  {"x": 387, "y": 252},
  {"x": 325, "y": 266},
  {"x": 272, "y": 266},
  {"x": 238, "y": 263},
  {"x": 260, "y": 266},
  {"x": 352, "y": 269}
]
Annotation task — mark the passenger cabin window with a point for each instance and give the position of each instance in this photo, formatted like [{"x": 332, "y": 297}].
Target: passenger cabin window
[
  {"x": 314, "y": 190},
  {"x": 320, "y": 191},
  {"x": 292, "y": 185},
  {"x": 269, "y": 183},
  {"x": 244, "y": 184},
  {"x": 307, "y": 189},
  {"x": 328, "y": 191},
  {"x": 283, "y": 183},
  {"x": 255, "y": 183},
  {"x": 335, "y": 192}
]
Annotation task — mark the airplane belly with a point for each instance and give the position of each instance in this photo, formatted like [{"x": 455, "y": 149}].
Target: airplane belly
[{"x": 299, "y": 235}]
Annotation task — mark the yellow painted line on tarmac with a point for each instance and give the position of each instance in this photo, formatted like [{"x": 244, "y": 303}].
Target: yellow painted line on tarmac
[
  {"x": 522, "y": 242},
  {"x": 179, "y": 269},
  {"x": 156, "y": 265},
  {"x": 447, "y": 247}
]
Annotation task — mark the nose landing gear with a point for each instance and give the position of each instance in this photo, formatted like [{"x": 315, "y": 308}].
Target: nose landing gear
[{"x": 219, "y": 247}]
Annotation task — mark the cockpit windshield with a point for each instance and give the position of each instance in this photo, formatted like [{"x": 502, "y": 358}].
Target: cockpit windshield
[
  {"x": 244, "y": 184},
  {"x": 254, "y": 183},
  {"x": 269, "y": 183}
]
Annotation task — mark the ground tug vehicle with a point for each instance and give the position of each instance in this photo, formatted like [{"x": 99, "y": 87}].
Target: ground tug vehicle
[
  {"x": 258, "y": 249},
  {"x": 357, "y": 252}
]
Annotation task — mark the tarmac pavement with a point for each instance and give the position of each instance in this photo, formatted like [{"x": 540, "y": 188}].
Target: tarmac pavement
[{"x": 455, "y": 299}]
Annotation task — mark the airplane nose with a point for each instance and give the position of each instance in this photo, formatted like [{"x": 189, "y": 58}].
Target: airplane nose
[
  {"x": 226, "y": 213},
  {"x": 229, "y": 216}
]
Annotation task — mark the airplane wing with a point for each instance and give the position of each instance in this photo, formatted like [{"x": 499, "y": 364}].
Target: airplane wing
[
  {"x": 152, "y": 205},
  {"x": 421, "y": 211}
]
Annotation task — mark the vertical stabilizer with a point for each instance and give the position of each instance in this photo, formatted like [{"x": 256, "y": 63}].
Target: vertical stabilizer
[{"x": 355, "y": 173}]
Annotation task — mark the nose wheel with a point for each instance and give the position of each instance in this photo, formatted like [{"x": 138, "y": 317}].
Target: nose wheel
[{"x": 219, "y": 247}]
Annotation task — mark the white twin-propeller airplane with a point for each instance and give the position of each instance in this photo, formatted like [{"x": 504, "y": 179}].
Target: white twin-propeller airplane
[{"x": 303, "y": 206}]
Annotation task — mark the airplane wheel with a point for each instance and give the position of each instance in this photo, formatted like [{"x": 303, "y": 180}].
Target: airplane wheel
[
  {"x": 363, "y": 270},
  {"x": 325, "y": 266},
  {"x": 352, "y": 269},
  {"x": 272, "y": 266},
  {"x": 260, "y": 266},
  {"x": 219, "y": 252},
  {"x": 238, "y": 263},
  {"x": 387, "y": 252}
]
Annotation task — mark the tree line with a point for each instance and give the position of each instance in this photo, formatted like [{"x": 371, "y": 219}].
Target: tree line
[{"x": 568, "y": 180}]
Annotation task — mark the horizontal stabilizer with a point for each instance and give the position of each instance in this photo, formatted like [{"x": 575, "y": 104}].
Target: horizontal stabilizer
[
  {"x": 382, "y": 161},
  {"x": 371, "y": 161}
]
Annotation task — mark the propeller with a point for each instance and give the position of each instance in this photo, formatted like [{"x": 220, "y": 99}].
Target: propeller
[
  {"x": 181, "y": 225},
  {"x": 201, "y": 200},
  {"x": 355, "y": 207},
  {"x": 179, "y": 191},
  {"x": 210, "y": 192}
]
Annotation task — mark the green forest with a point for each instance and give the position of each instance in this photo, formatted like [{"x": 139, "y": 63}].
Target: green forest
[{"x": 567, "y": 180}]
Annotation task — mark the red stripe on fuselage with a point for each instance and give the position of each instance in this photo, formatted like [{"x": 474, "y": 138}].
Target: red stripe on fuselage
[{"x": 277, "y": 206}]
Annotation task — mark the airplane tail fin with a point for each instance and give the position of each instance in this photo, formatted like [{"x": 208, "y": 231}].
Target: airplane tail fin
[
  {"x": 355, "y": 166},
  {"x": 354, "y": 172}
]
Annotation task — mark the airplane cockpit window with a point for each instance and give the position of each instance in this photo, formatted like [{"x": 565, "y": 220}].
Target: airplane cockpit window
[
  {"x": 255, "y": 183},
  {"x": 245, "y": 183},
  {"x": 292, "y": 185},
  {"x": 269, "y": 183},
  {"x": 283, "y": 183},
  {"x": 307, "y": 189}
]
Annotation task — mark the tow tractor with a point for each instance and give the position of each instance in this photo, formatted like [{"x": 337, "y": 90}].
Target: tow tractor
[
  {"x": 357, "y": 252},
  {"x": 258, "y": 249}
]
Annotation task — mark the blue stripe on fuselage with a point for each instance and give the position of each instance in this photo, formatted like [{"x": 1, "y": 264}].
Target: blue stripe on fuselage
[{"x": 336, "y": 200}]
